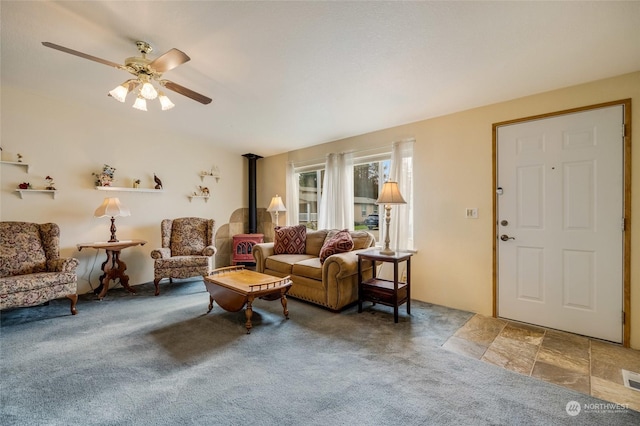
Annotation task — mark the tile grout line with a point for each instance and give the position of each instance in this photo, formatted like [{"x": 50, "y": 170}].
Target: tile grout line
[
  {"x": 493, "y": 341},
  {"x": 535, "y": 359}
]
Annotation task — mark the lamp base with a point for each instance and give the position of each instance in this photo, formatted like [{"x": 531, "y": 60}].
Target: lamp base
[
  {"x": 113, "y": 230},
  {"x": 387, "y": 252}
]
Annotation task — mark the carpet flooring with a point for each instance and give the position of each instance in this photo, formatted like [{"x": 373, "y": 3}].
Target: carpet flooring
[{"x": 145, "y": 360}]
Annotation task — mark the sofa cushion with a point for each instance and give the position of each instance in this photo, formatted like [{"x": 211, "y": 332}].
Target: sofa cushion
[
  {"x": 188, "y": 236},
  {"x": 340, "y": 242},
  {"x": 181, "y": 262},
  {"x": 290, "y": 239},
  {"x": 309, "y": 268},
  {"x": 30, "y": 282},
  {"x": 362, "y": 239},
  {"x": 21, "y": 249},
  {"x": 283, "y": 263},
  {"x": 315, "y": 240}
]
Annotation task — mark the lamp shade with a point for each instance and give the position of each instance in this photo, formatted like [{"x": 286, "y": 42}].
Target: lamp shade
[
  {"x": 390, "y": 194},
  {"x": 119, "y": 93},
  {"x": 276, "y": 205},
  {"x": 140, "y": 103},
  {"x": 111, "y": 207},
  {"x": 165, "y": 102}
]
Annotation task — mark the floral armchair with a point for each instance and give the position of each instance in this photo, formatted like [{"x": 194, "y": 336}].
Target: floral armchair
[
  {"x": 31, "y": 269},
  {"x": 187, "y": 249}
]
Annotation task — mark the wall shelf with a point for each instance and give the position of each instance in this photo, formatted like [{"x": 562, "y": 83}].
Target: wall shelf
[
  {"x": 206, "y": 197},
  {"x": 22, "y": 191},
  {"x": 123, "y": 189},
  {"x": 16, "y": 163},
  {"x": 214, "y": 172},
  {"x": 204, "y": 175}
]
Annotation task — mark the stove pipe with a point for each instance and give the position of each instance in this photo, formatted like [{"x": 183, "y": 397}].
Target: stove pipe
[{"x": 253, "y": 210}]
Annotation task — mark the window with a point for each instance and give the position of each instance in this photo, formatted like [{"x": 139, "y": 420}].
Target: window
[
  {"x": 310, "y": 191},
  {"x": 368, "y": 178},
  {"x": 369, "y": 174}
]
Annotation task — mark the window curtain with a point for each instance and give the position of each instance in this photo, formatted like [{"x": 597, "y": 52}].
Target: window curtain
[
  {"x": 401, "y": 226},
  {"x": 336, "y": 205},
  {"x": 292, "y": 197}
]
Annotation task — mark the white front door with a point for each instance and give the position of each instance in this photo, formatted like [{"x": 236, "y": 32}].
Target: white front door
[{"x": 560, "y": 209}]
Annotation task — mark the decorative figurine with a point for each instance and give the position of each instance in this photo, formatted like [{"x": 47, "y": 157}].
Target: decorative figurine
[
  {"x": 19, "y": 158},
  {"x": 158, "y": 182},
  {"x": 24, "y": 185},
  {"x": 204, "y": 191},
  {"x": 50, "y": 185},
  {"x": 105, "y": 178},
  {"x": 136, "y": 183}
]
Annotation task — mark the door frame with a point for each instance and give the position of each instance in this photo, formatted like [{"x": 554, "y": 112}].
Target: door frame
[{"x": 626, "y": 255}]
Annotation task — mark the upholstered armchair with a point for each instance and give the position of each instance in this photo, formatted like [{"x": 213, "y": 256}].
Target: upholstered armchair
[
  {"x": 31, "y": 269},
  {"x": 187, "y": 249}
]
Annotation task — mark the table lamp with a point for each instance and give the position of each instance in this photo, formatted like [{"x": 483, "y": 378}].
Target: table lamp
[
  {"x": 276, "y": 206},
  {"x": 389, "y": 195},
  {"x": 112, "y": 207}
]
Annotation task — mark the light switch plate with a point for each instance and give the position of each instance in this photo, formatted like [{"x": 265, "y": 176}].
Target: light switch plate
[{"x": 471, "y": 213}]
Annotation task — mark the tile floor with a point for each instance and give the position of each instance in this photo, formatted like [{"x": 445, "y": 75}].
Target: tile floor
[{"x": 586, "y": 365}]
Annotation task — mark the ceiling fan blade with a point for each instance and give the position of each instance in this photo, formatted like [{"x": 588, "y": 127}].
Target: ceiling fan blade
[
  {"x": 169, "y": 60},
  {"x": 80, "y": 54},
  {"x": 186, "y": 92}
]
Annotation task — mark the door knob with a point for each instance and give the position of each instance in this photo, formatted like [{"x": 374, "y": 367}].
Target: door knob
[{"x": 505, "y": 237}]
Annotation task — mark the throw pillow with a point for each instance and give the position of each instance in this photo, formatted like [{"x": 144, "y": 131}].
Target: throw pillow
[
  {"x": 341, "y": 242},
  {"x": 290, "y": 239}
]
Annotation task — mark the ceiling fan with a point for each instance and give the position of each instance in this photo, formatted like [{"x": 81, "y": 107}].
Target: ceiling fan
[{"x": 145, "y": 71}]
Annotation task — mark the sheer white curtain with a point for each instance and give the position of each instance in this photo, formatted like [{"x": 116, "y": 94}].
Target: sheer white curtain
[
  {"x": 292, "y": 197},
  {"x": 336, "y": 205},
  {"x": 401, "y": 226}
]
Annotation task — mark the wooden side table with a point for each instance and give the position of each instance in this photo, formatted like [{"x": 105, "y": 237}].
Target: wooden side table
[
  {"x": 386, "y": 292},
  {"x": 113, "y": 268}
]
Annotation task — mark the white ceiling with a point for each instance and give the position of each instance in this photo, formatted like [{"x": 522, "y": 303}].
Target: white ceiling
[{"x": 286, "y": 75}]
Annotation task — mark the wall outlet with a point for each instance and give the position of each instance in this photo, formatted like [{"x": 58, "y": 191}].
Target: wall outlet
[{"x": 471, "y": 213}]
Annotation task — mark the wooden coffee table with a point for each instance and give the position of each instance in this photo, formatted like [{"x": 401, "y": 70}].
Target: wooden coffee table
[{"x": 234, "y": 287}]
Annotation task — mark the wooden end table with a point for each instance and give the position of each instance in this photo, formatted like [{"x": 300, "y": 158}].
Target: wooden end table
[
  {"x": 386, "y": 292},
  {"x": 113, "y": 268},
  {"x": 234, "y": 287}
]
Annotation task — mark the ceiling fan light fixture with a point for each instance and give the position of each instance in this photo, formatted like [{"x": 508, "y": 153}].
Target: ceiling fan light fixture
[
  {"x": 165, "y": 102},
  {"x": 145, "y": 72},
  {"x": 119, "y": 93},
  {"x": 140, "y": 103},
  {"x": 148, "y": 91}
]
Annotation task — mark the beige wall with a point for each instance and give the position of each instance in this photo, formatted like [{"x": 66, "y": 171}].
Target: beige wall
[
  {"x": 70, "y": 143},
  {"x": 453, "y": 157},
  {"x": 270, "y": 176}
]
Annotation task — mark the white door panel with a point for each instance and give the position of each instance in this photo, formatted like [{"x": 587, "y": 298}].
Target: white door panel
[{"x": 562, "y": 197}]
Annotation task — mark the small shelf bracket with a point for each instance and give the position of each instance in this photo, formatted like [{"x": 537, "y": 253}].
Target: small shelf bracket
[{"x": 206, "y": 197}]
